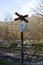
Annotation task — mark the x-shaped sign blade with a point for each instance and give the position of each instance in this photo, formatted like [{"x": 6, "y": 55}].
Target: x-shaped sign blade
[
  {"x": 17, "y": 14},
  {"x": 21, "y": 17}
]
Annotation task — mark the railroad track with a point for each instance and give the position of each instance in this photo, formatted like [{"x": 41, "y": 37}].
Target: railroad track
[{"x": 8, "y": 49}]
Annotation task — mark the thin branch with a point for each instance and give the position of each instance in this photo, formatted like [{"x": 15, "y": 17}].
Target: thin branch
[{"x": 37, "y": 12}]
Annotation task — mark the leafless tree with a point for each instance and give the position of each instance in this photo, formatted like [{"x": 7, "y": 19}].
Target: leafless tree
[{"x": 39, "y": 9}]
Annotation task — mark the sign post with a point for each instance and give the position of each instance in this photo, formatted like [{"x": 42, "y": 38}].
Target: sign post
[
  {"x": 22, "y": 55},
  {"x": 22, "y": 27}
]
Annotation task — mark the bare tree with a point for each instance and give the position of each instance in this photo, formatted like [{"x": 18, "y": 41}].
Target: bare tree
[
  {"x": 8, "y": 17},
  {"x": 39, "y": 9}
]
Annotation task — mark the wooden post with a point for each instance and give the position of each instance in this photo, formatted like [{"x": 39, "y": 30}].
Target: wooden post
[{"x": 22, "y": 55}]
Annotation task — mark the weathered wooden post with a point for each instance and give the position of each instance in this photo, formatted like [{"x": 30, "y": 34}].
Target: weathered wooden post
[{"x": 22, "y": 26}]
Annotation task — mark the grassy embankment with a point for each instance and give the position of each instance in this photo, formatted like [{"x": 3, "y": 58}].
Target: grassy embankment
[{"x": 4, "y": 62}]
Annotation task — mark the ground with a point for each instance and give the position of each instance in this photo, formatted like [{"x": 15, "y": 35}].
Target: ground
[{"x": 3, "y": 62}]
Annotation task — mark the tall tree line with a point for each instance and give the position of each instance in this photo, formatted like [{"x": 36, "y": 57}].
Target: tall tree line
[{"x": 9, "y": 30}]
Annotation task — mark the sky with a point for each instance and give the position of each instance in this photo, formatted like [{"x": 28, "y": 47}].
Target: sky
[{"x": 9, "y": 7}]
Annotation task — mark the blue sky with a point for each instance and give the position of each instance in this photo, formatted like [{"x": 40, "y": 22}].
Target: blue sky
[{"x": 20, "y": 6}]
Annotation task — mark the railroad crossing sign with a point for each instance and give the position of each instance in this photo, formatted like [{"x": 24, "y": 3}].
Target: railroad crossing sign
[
  {"x": 22, "y": 26},
  {"x": 21, "y": 17}
]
